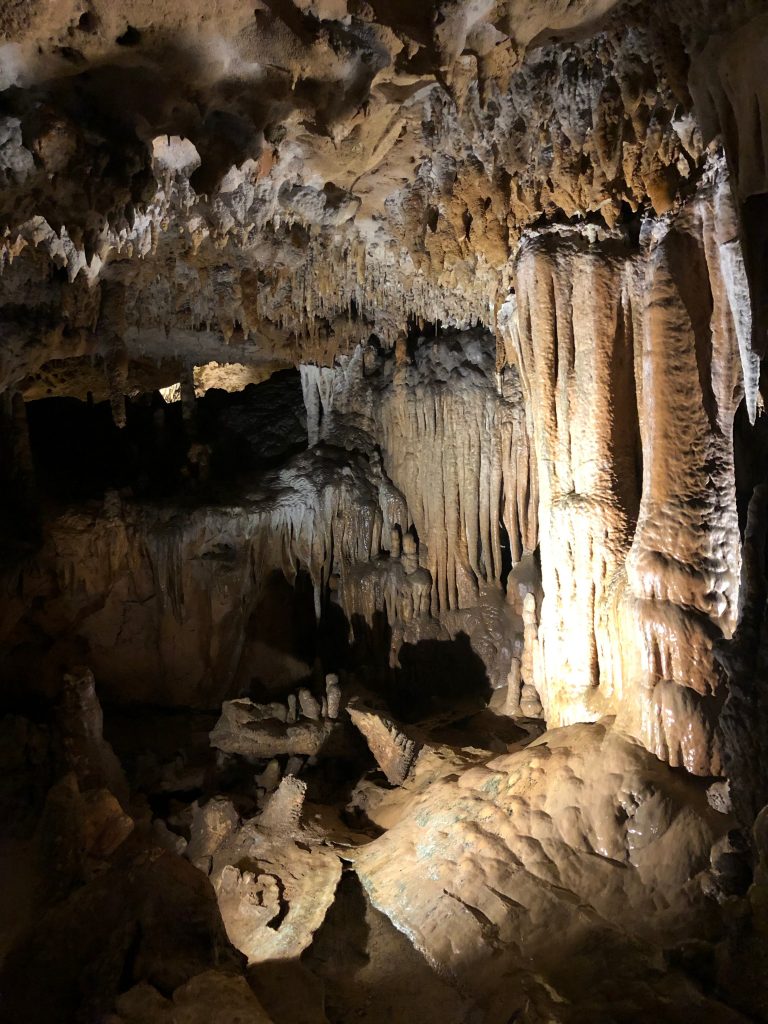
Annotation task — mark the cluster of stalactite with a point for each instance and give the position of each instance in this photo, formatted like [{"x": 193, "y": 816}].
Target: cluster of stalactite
[
  {"x": 191, "y": 580},
  {"x": 454, "y": 440}
]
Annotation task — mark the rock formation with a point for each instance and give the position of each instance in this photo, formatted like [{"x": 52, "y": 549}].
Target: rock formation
[{"x": 383, "y": 538}]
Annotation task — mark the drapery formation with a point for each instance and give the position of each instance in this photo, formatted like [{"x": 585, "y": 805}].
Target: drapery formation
[{"x": 634, "y": 360}]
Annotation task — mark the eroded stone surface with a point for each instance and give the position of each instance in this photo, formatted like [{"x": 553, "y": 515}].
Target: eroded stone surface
[
  {"x": 273, "y": 886},
  {"x": 210, "y": 997},
  {"x": 583, "y": 836}
]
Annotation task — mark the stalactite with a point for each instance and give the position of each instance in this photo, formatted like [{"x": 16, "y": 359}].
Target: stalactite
[
  {"x": 452, "y": 445},
  {"x": 316, "y": 385},
  {"x": 116, "y": 369},
  {"x": 441, "y": 445},
  {"x": 168, "y": 560}
]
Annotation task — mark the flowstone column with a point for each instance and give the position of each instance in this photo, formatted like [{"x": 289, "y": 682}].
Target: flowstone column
[
  {"x": 634, "y": 363},
  {"x": 680, "y": 598},
  {"x": 575, "y": 350}
]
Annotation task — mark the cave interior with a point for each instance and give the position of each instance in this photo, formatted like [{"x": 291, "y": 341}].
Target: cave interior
[{"x": 384, "y": 519}]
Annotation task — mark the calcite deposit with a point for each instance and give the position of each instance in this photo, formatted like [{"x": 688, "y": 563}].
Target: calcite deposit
[{"x": 384, "y": 479}]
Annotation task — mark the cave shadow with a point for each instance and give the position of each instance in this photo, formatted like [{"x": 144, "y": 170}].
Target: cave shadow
[
  {"x": 690, "y": 276},
  {"x": 347, "y": 972},
  {"x": 283, "y": 636},
  {"x": 745, "y": 712},
  {"x": 436, "y": 676},
  {"x": 432, "y": 676},
  {"x": 319, "y": 981},
  {"x": 79, "y": 452},
  {"x": 257, "y": 428},
  {"x": 754, "y": 222}
]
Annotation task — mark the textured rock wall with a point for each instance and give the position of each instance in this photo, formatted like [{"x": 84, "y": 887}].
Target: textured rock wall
[
  {"x": 485, "y": 862},
  {"x": 454, "y": 441},
  {"x": 414, "y": 533},
  {"x": 162, "y": 598},
  {"x": 399, "y": 170}
]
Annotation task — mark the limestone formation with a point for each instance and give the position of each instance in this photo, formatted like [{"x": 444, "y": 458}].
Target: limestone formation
[
  {"x": 209, "y": 997},
  {"x": 384, "y": 477},
  {"x": 395, "y": 752},
  {"x": 274, "y": 886},
  {"x": 81, "y": 723},
  {"x": 310, "y": 707},
  {"x": 243, "y": 729},
  {"x": 333, "y": 695},
  {"x": 484, "y": 864},
  {"x": 282, "y": 810},
  {"x": 212, "y": 823}
]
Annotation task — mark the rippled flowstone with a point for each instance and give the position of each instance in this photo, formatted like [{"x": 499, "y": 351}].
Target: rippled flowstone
[{"x": 523, "y": 878}]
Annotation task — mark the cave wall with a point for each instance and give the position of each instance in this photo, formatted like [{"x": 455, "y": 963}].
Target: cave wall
[
  {"x": 578, "y": 182},
  {"x": 160, "y": 599}
]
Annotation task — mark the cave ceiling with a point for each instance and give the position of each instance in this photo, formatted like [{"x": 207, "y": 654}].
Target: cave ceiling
[{"x": 273, "y": 183}]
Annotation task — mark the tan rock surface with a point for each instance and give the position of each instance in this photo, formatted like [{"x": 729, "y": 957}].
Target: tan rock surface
[{"x": 583, "y": 836}]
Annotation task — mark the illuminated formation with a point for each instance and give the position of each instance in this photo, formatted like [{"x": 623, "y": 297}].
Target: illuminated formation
[{"x": 384, "y": 511}]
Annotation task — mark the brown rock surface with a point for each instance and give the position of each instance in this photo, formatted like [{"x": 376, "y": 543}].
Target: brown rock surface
[
  {"x": 583, "y": 836},
  {"x": 381, "y": 399}
]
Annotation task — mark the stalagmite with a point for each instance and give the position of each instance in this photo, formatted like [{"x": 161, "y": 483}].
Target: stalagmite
[
  {"x": 514, "y": 684},
  {"x": 395, "y": 543},
  {"x": 333, "y": 692},
  {"x": 309, "y": 706},
  {"x": 88, "y": 754},
  {"x": 292, "y": 711},
  {"x": 282, "y": 811}
]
